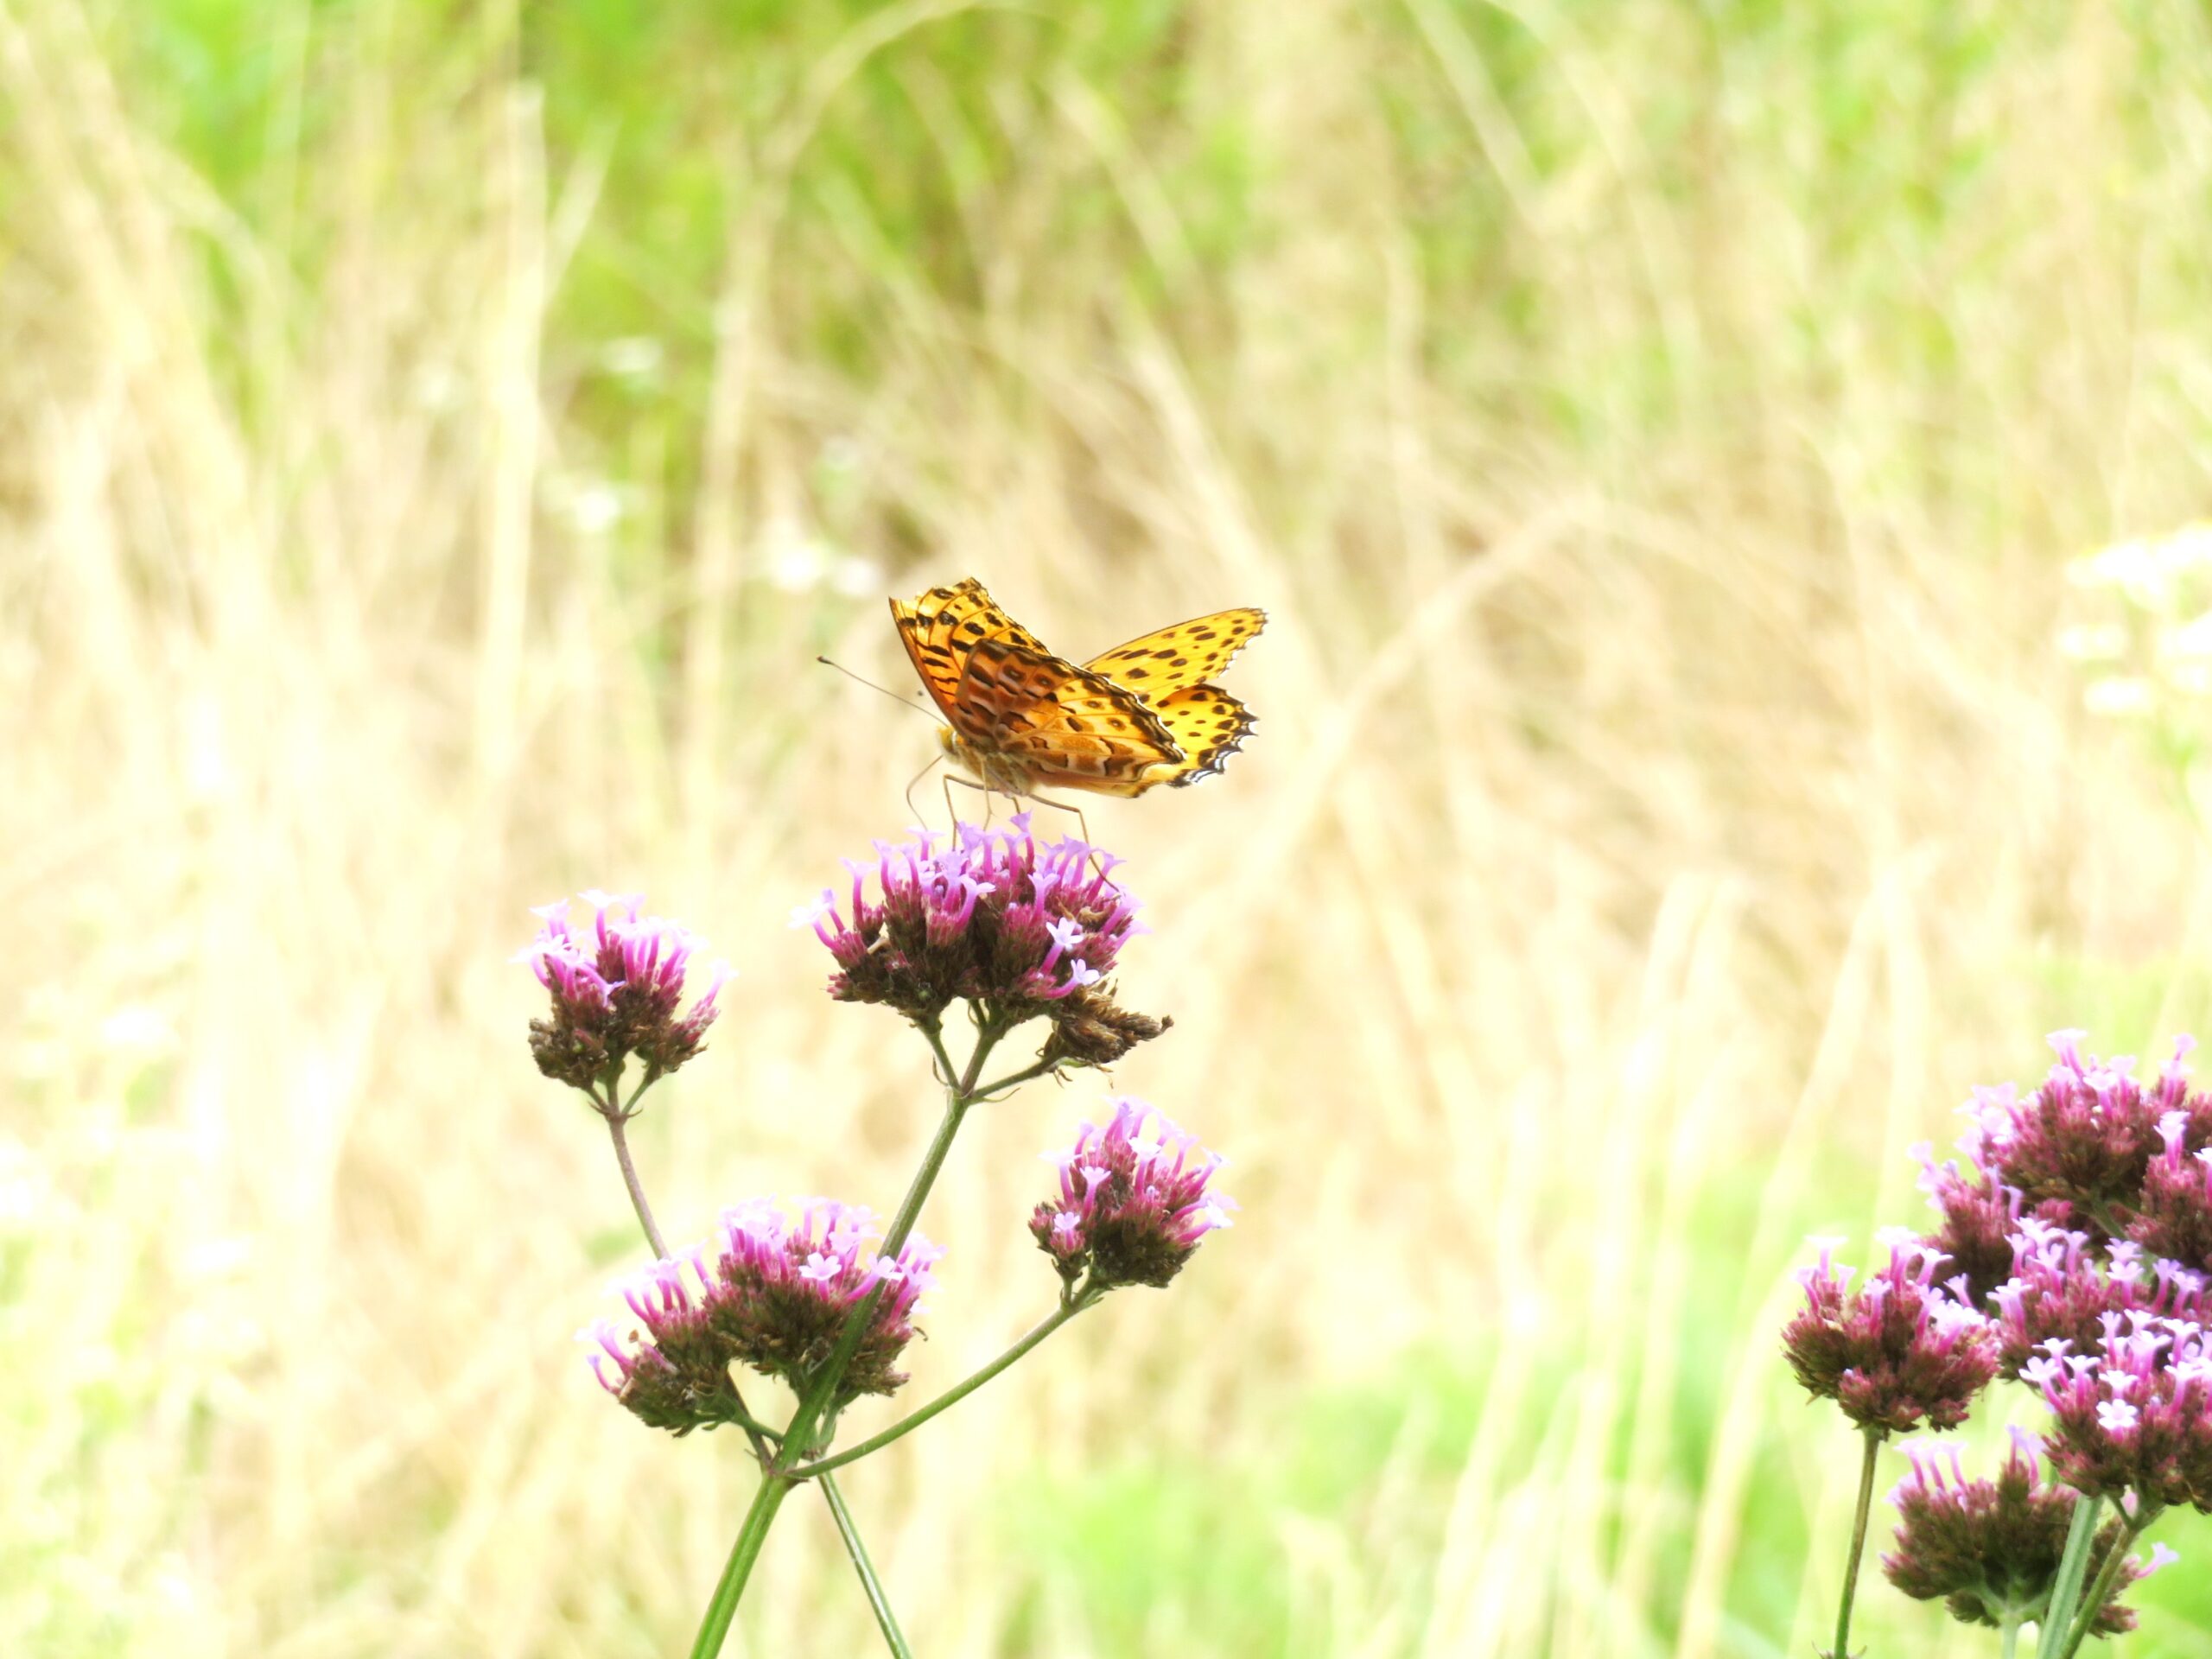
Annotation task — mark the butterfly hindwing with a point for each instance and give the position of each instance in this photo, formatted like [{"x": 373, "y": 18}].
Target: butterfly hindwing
[
  {"x": 1208, "y": 725},
  {"x": 1185, "y": 654}
]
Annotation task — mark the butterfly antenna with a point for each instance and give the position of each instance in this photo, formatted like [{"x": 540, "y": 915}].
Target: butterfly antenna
[{"x": 873, "y": 686}]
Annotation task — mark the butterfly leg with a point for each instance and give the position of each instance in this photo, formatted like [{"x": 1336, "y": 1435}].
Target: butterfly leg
[
  {"x": 917, "y": 779},
  {"x": 950, "y": 779},
  {"x": 1081, "y": 824}
]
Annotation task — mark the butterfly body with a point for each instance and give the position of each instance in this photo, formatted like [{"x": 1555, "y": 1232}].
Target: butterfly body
[{"x": 1018, "y": 717}]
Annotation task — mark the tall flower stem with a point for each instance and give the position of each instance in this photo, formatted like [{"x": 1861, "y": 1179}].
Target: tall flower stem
[
  {"x": 815, "y": 1408},
  {"x": 2099, "y": 1591},
  {"x": 1874, "y": 1439},
  {"x": 617, "y": 1120},
  {"x": 715, "y": 1627},
  {"x": 2066, "y": 1588},
  {"x": 952, "y": 1397},
  {"x": 2009, "y": 1637}
]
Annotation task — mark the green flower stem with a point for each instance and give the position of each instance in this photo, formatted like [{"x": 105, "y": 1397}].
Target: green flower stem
[
  {"x": 2099, "y": 1590},
  {"x": 815, "y": 1408},
  {"x": 758, "y": 1433},
  {"x": 1842, "y": 1649},
  {"x": 885, "y": 1620},
  {"x": 807, "y": 1422},
  {"x": 2066, "y": 1588},
  {"x": 715, "y": 1627},
  {"x": 2009, "y": 1638},
  {"x": 944, "y": 1401}
]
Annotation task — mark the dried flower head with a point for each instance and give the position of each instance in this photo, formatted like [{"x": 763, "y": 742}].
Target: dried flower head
[
  {"x": 767, "y": 1292},
  {"x": 1991, "y": 1549},
  {"x": 1134, "y": 1200},
  {"x": 616, "y": 988},
  {"x": 994, "y": 918},
  {"x": 2135, "y": 1415},
  {"x": 1898, "y": 1352}
]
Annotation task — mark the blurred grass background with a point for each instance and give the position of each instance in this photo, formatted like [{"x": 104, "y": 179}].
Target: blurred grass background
[{"x": 434, "y": 438}]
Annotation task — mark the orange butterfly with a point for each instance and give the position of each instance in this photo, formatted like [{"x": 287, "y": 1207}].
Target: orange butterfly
[{"x": 1020, "y": 717}]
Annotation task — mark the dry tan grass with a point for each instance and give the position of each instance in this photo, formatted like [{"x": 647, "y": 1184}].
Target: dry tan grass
[{"x": 1666, "y": 824}]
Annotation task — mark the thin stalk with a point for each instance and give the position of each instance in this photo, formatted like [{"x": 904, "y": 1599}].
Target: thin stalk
[
  {"x": 2099, "y": 1591},
  {"x": 1013, "y": 1079},
  {"x": 715, "y": 1627},
  {"x": 878, "y": 1601},
  {"x": 1842, "y": 1649},
  {"x": 617, "y": 1122},
  {"x": 2066, "y": 1588},
  {"x": 944, "y": 1401},
  {"x": 2009, "y": 1637}
]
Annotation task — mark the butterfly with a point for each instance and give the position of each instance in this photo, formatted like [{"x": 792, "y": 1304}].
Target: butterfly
[{"x": 1018, "y": 718}]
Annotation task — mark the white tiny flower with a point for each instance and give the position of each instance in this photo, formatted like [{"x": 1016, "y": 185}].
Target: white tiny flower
[{"x": 2118, "y": 696}]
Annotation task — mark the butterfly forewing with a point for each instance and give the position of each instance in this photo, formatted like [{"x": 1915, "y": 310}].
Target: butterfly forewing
[{"x": 940, "y": 630}]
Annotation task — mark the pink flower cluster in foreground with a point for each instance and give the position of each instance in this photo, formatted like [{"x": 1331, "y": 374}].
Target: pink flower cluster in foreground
[
  {"x": 770, "y": 1293},
  {"x": 2135, "y": 1415},
  {"x": 1991, "y": 1549},
  {"x": 617, "y": 988},
  {"x": 1134, "y": 1198},
  {"x": 2095, "y": 1151},
  {"x": 1899, "y": 1351}
]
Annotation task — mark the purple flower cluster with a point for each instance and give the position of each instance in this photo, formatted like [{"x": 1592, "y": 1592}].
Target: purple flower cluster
[
  {"x": 2093, "y": 1150},
  {"x": 616, "y": 991},
  {"x": 1134, "y": 1199},
  {"x": 771, "y": 1294},
  {"x": 2061, "y": 1290},
  {"x": 1900, "y": 1351},
  {"x": 1991, "y": 1549},
  {"x": 2135, "y": 1416},
  {"x": 992, "y": 917}
]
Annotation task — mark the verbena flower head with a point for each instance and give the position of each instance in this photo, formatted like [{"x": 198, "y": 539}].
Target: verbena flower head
[
  {"x": 783, "y": 1289},
  {"x": 771, "y": 1292},
  {"x": 616, "y": 988},
  {"x": 2174, "y": 1213},
  {"x": 1982, "y": 1218},
  {"x": 988, "y": 916},
  {"x": 2085, "y": 1140},
  {"x": 2060, "y": 1289},
  {"x": 1991, "y": 1549},
  {"x": 1134, "y": 1199},
  {"x": 1900, "y": 1351},
  {"x": 2134, "y": 1414}
]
